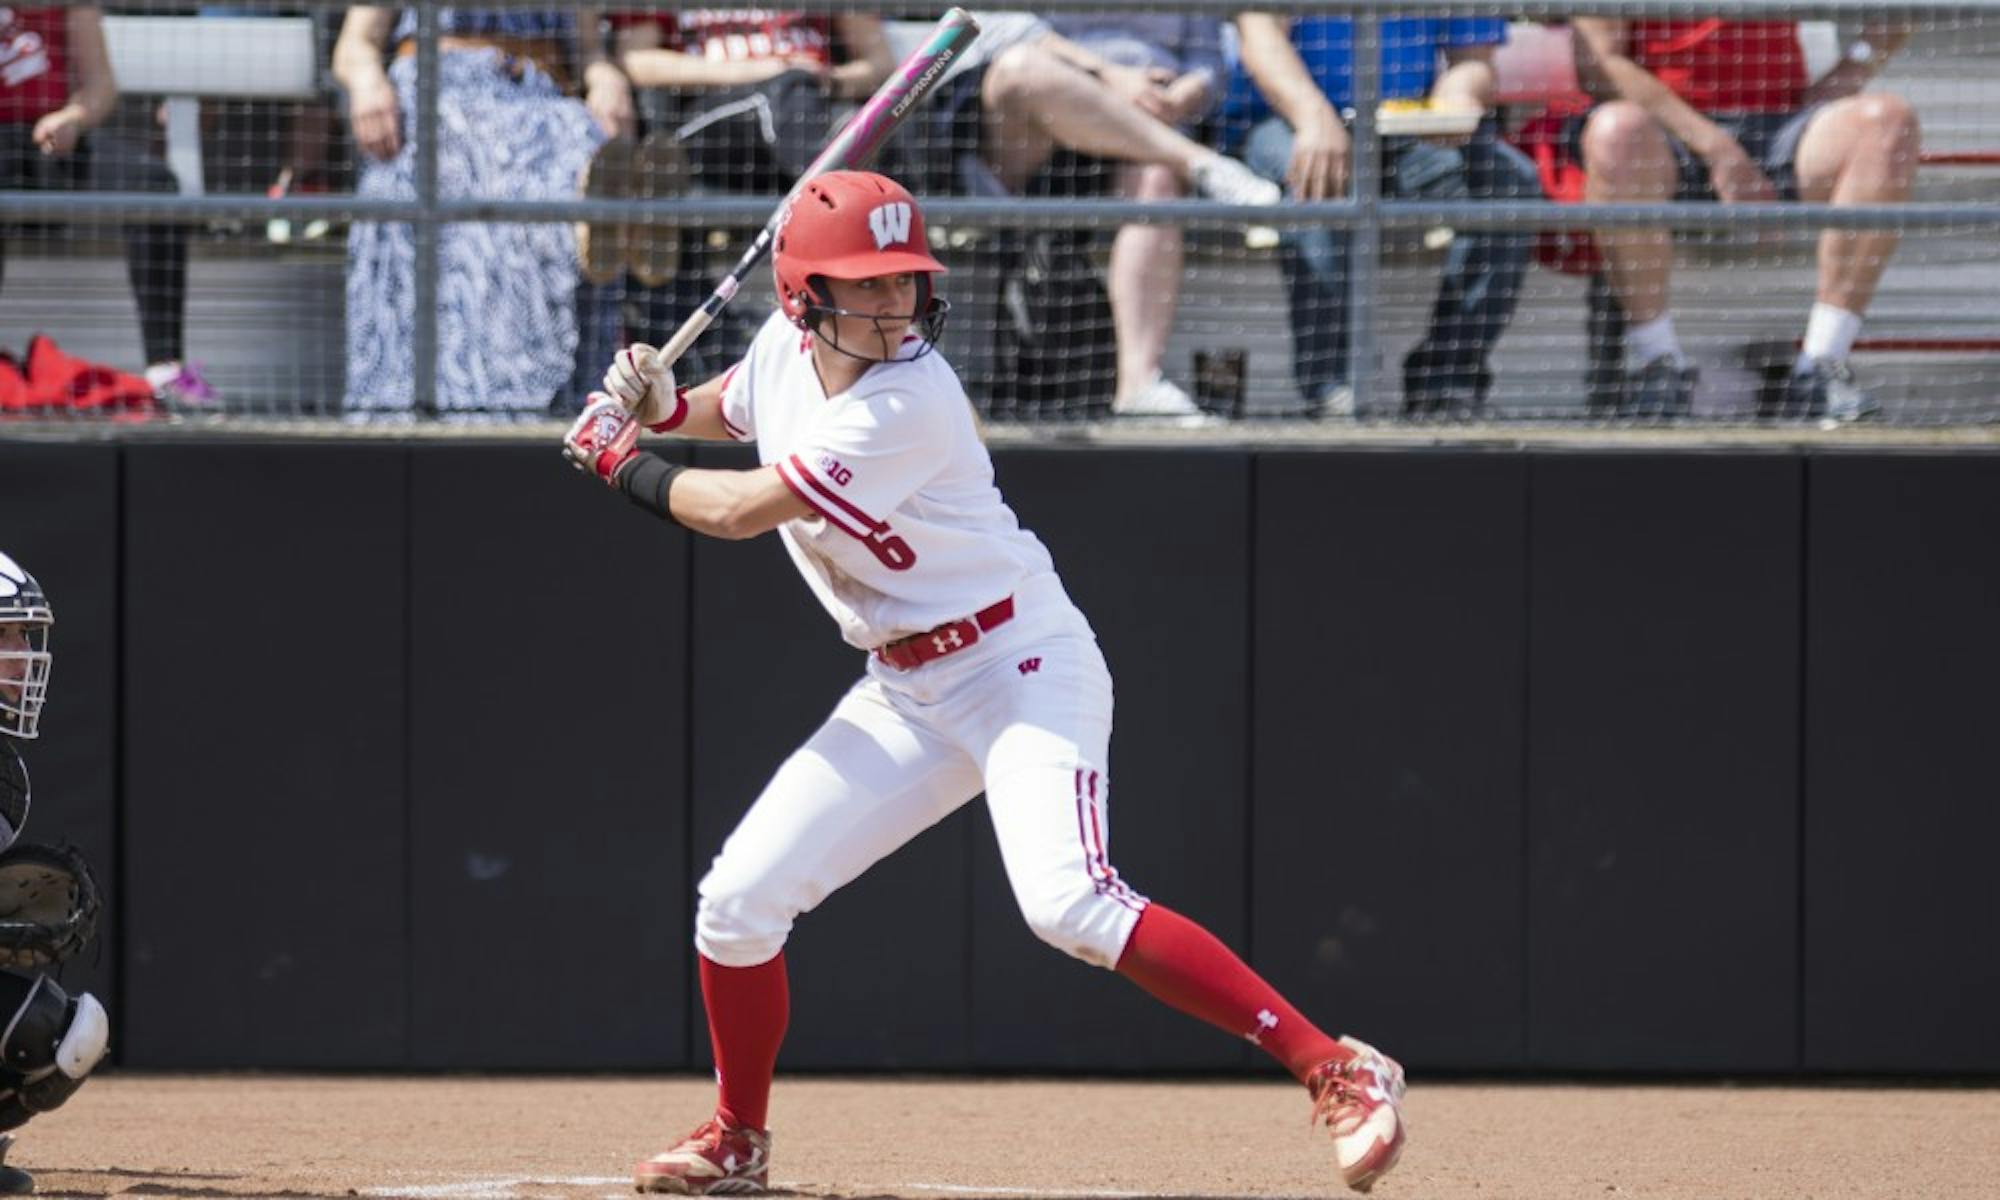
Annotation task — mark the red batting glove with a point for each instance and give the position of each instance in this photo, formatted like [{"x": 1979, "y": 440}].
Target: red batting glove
[{"x": 603, "y": 440}]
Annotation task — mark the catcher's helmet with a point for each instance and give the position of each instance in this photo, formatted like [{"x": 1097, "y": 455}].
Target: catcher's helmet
[
  {"x": 852, "y": 225},
  {"x": 24, "y": 650}
]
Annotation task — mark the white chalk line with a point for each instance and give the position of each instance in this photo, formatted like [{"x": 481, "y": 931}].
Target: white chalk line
[
  {"x": 957, "y": 1189},
  {"x": 504, "y": 1188},
  {"x": 498, "y": 1188}
]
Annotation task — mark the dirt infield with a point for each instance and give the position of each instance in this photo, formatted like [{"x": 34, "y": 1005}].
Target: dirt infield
[{"x": 492, "y": 1138}]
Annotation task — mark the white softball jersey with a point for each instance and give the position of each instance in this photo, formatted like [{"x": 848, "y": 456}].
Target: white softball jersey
[
  {"x": 909, "y": 531},
  {"x": 911, "y": 537}
]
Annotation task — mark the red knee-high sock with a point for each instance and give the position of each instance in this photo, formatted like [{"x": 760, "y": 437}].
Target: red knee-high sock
[
  {"x": 748, "y": 1008},
  {"x": 1188, "y": 968}
]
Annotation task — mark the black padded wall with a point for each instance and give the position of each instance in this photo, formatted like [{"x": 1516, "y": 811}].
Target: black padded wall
[
  {"x": 1663, "y": 725},
  {"x": 878, "y": 971},
  {"x": 1901, "y": 822},
  {"x": 1508, "y": 761},
  {"x": 1386, "y": 727},
  {"x": 1153, "y": 546},
  {"x": 265, "y": 756},
  {"x": 59, "y": 521},
  {"x": 548, "y": 767}
]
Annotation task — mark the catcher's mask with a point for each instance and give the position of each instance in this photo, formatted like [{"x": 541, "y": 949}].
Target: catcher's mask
[
  {"x": 24, "y": 650},
  {"x": 853, "y": 225}
]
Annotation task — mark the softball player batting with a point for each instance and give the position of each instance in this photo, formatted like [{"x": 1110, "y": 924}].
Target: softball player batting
[{"x": 981, "y": 674}]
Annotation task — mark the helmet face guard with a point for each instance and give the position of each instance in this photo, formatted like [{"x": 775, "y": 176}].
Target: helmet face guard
[
  {"x": 928, "y": 320},
  {"x": 25, "y": 660},
  {"x": 853, "y": 225}
]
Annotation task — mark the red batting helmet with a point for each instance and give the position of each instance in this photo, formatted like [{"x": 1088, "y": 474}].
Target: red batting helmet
[{"x": 848, "y": 225}]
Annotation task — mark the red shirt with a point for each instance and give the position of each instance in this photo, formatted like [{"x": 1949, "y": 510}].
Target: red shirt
[
  {"x": 1724, "y": 66},
  {"x": 742, "y": 33},
  {"x": 34, "y": 73}
]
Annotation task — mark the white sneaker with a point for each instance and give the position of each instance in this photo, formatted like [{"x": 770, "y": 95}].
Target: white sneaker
[
  {"x": 1222, "y": 178},
  {"x": 1336, "y": 402},
  {"x": 713, "y": 1159},
  {"x": 1360, "y": 1100},
  {"x": 1162, "y": 398},
  {"x": 1392, "y": 1071}
]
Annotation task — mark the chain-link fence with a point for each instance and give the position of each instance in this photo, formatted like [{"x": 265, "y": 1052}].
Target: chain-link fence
[{"x": 1158, "y": 215}]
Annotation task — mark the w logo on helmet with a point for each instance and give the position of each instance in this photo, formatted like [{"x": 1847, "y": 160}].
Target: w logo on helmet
[{"x": 890, "y": 223}]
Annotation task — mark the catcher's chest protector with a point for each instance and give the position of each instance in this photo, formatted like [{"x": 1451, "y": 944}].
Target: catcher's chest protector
[{"x": 13, "y": 792}]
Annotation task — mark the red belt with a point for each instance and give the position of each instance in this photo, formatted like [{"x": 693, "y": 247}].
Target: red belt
[{"x": 907, "y": 654}]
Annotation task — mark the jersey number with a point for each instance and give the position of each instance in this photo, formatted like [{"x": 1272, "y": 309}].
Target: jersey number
[{"x": 893, "y": 552}]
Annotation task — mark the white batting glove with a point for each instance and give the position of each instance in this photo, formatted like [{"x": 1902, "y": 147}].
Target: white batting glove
[{"x": 638, "y": 380}]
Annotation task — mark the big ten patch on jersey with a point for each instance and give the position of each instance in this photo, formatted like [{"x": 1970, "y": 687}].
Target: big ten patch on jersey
[
  {"x": 890, "y": 223},
  {"x": 835, "y": 471}
]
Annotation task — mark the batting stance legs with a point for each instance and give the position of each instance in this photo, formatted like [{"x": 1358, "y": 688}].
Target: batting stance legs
[
  {"x": 893, "y": 760},
  {"x": 1029, "y": 721}
]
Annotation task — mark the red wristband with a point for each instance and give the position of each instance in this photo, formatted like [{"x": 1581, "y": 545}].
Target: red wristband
[
  {"x": 610, "y": 462},
  {"x": 679, "y": 415}
]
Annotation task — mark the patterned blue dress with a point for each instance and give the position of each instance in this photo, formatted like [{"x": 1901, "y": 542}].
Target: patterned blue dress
[{"x": 507, "y": 319}]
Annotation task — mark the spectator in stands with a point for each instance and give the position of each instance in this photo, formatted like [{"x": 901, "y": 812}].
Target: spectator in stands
[
  {"x": 1709, "y": 109},
  {"x": 737, "y": 100},
  {"x": 709, "y": 63},
  {"x": 1302, "y": 89},
  {"x": 1170, "y": 65},
  {"x": 508, "y": 291},
  {"x": 305, "y": 131},
  {"x": 56, "y": 87},
  {"x": 1022, "y": 92}
]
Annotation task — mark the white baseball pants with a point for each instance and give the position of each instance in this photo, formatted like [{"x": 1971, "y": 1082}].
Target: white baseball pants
[{"x": 1024, "y": 715}]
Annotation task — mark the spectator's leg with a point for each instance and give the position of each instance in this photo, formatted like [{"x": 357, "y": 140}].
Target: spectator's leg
[
  {"x": 156, "y": 255},
  {"x": 1314, "y": 263},
  {"x": 1145, "y": 279},
  {"x": 1481, "y": 281},
  {"x": 1604, "y": 347},
  {"x": 648, "y": 312},
  {"x": 1861, "y": 150},
  {"x": 1033, "y": 101},
  {"x": 1627, "y": 159},
  {"x": 598, "y": 325},
  {"x": 312, "y": 132},
  {"x": 156, "y": 261}
]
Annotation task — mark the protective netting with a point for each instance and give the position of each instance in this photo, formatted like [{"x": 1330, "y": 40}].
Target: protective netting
[{"x": 212, "y": 240}]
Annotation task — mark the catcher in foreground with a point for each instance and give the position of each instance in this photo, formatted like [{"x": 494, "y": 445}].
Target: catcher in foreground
[
  {"x": 49, "y": 1040},
  {"x": 981, "y": 674}
]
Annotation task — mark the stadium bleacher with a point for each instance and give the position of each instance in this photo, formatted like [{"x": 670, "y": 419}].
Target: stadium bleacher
[{"x": 267, "y": 321}]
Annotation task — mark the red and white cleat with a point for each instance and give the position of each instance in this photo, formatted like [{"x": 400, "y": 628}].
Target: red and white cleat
[
  {"x": 1360, "y": 1100},
  {"x": 714, "y": 1158}
]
